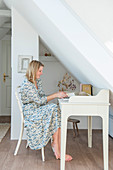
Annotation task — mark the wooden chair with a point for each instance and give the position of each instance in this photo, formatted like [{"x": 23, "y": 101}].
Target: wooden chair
[
  {"x": 17, "y": 93},
  {"x": 74, "y": 121}
]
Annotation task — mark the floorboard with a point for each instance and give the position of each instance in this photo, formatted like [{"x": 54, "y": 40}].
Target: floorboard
[{"x": 84, "y": 158}]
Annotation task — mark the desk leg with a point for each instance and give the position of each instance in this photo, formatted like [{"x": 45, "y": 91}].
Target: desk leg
[
  {"x": 105, "y": 141},
  {"x": 90, "y": 131},
  {"x": 63, "y": 141}
]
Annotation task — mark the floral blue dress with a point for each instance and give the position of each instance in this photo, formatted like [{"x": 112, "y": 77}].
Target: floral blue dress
[{"x": 41, "y": 119}]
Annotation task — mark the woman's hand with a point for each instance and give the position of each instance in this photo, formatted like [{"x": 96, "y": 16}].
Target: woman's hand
[{"x": 61, "y": 94}]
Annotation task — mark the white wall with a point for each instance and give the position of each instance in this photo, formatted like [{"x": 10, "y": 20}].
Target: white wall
[
  {"x": 44, "y": 49},
  {"x": 24, "y": 42},
  {"x": 53, "y": 72}
]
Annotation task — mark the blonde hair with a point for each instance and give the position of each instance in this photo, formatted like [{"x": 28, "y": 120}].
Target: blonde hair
[{"x": 33, "y": 67}]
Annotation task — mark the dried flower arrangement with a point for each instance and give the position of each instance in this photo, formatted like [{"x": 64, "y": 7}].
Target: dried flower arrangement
[{"x": 67, "y": 83}]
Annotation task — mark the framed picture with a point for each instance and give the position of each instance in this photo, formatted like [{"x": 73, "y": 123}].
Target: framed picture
[{"x": 23, "y": 62}]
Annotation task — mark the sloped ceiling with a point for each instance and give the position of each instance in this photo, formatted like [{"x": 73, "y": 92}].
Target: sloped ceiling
[{"x": 97, "y": 15}]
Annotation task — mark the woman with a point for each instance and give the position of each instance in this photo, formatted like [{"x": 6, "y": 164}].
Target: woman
[{"x": 42, "y": 120}]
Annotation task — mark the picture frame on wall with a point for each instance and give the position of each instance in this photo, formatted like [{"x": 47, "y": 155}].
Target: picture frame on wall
[{"x": 23, "y": 62}]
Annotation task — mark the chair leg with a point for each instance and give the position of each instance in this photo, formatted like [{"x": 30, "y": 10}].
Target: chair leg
[
  {"x": 74, "y": 134},
  {"x": 27, "y": 144},
  {"x": 19, "y": 141},
  {"x": 77, "y": 128},
  {"x": 43, "y": 155}
]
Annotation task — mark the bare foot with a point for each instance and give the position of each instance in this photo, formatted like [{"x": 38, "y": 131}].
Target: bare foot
[
  {"x": 68, "y": 158},
  {"x": 55, "y": 150},
  {"x": 57, "y": 155}
]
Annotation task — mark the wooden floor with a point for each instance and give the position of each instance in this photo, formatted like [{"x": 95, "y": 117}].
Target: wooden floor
[
  {"x": 84, "y": 158},
  {"x": 5, "y": 119}
]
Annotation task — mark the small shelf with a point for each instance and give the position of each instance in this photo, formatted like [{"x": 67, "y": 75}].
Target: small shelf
[{"x": 48, "y": 59}]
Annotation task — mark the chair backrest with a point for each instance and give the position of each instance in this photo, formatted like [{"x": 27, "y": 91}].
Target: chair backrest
[{"x": 18, "y": 97}]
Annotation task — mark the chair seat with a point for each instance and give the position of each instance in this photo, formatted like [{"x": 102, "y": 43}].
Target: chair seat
[{"x": 73, "y": 120}]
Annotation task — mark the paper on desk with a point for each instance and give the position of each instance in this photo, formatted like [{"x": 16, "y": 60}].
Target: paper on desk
[{"x": 70, "y": 94}]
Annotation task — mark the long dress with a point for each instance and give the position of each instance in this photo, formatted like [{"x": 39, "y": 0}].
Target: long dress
[{"x": 41, "y": 119}]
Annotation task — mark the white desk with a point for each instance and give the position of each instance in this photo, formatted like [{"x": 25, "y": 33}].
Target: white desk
[{"x": 85, "y": 106}]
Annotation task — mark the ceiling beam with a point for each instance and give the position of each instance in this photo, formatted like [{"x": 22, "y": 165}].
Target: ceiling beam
[{"x": 5, "y": 13}]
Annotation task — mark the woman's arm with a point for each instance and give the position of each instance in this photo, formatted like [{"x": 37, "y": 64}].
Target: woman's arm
[
  {"x": 30, "y": 94},
  {"x": 60, "y": 94}
]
